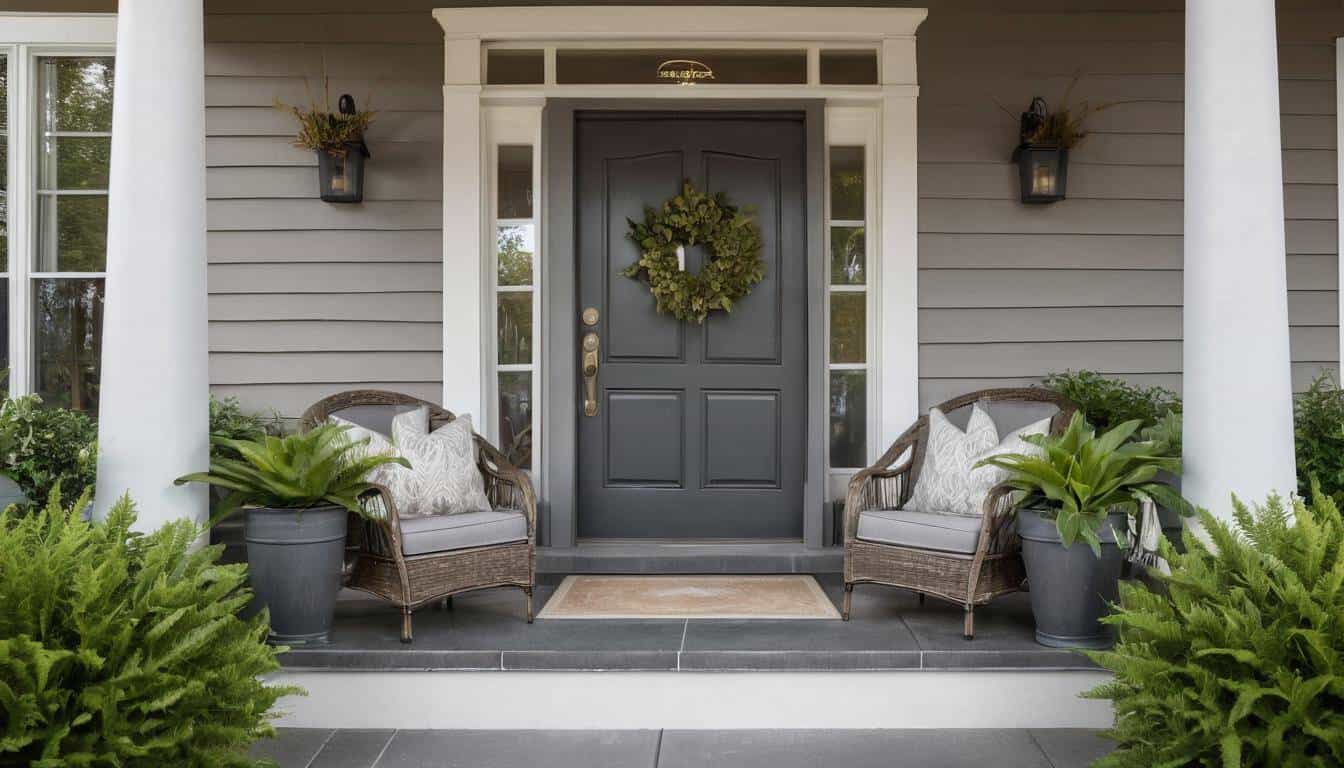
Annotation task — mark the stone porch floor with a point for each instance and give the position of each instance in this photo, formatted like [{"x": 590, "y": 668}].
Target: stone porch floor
[
  {"x": 889, "y": 630},
  {"x": 326, "y": 748}
]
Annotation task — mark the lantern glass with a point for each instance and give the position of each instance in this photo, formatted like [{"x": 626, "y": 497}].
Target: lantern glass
[
  {"x": 1044, "y": 172},
  {"x": 341, "y": 177}
]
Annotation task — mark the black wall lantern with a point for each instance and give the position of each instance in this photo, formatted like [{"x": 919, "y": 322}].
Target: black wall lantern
[
  {"x": 341, "y": 175},
  {"x": 1042, "y": 166}
]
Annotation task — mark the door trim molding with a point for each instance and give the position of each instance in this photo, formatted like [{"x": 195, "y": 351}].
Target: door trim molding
[{"x": 559, "y": 349}]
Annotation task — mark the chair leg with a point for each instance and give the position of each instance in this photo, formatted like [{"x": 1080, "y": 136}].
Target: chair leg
[
  {"x": 406, "y": 625},
  {"x": 921, "y": 598},
  {"x": 849, "y": 594},
  {"x": 528, "y": 592},
  {"x": 446, "y": 604},
  {"x": 968, "y": 629}
]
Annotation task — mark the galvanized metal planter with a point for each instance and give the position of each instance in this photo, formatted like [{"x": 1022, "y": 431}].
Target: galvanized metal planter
[
  {"x": 295, "y": 558},
  {"x": 1070, "y": 586}
]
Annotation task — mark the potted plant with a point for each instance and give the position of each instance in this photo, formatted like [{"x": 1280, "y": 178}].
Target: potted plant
[
  {"x": 338, "y": 140},
  {"x": 297, "y": 492},
  {"x": 1073, "y": 501}
]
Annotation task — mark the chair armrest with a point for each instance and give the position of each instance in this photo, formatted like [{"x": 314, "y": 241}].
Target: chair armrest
[
  {"x": 996, "y": 514},
  {"x": 873, "y": 488},
  {"x": 381, "y": 533},
  {"x": 506, "y": 486}
]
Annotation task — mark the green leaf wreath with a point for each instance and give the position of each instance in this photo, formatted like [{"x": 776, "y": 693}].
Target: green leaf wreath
[{"x": 694, "y": 217}]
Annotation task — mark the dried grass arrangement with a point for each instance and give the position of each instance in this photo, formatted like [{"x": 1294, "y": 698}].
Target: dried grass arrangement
[
  {"x": 335, "y": 133},
  {"x": 1064, "y": 127}
]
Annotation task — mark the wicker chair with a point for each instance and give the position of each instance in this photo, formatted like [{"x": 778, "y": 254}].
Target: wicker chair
[
  {"x": 380, "y": 566},
  {"x": 967, "y": 579}
]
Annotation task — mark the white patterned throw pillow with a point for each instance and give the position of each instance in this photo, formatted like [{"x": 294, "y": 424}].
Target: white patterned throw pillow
[
  {"x": 444, "y": 478},
  {"x": 943, "y": 487},
  {"x": 983, "y": 479},
  {"x": 394, "y": 477}
]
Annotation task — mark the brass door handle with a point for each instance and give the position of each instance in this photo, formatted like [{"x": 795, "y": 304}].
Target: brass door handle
[{"x": 590, "y": 346}]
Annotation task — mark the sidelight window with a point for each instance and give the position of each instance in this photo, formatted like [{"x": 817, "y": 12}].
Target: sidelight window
[
  {"x": 849, "y": 294},
  {"x": 515, "y": 294}
]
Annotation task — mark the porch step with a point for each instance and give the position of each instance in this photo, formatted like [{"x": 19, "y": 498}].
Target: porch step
[{"x": 689, "y": 557}]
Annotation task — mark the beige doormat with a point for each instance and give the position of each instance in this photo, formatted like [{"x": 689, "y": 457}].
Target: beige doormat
[{"x": 689, "y": 597}]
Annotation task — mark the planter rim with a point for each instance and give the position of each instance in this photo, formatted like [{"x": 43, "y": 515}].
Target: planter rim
[{"x": 1043, "y": 529}]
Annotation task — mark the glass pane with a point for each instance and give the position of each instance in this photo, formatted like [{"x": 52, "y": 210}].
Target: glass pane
[
  {"x": 515, "y": 246},
  {"x": 72, "y": 233},
  {"x": 515, "y": 327},
  {"x": 4, "y": 174},
  {"x": 847, "y": 183},
  {"x": 507, "y": 67},
  {"x": 515, "y": 417},
  {"x": 515, "y": 181},
  {"x": 849, "y": 67},
  {"x": 67, "y": 336},
  {"x": 74, "y": 163},
  {"x": 75, "y": 94},
  {"x": 849, "y": 327},
  {"x": 848, "y": 260},
  {"x": 681, "y": 67},
  {"x": 4, "y": 337},
  {"x": 849, "y": 419}
]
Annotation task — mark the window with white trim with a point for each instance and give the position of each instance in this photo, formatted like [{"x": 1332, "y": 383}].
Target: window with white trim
[
  {"x": 848, "y": 310},
  {"x": 57, "y": 129},
  {"x": 515, "y": 298}
]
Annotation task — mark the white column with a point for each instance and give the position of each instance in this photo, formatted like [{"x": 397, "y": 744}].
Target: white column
[
  {"x": 463, "y": 223},
  {"x": 1237, "y": 379},
  {"x": 152, "y": 421}
]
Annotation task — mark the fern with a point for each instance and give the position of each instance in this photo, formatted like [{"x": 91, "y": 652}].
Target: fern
[
  {"x": 122, "y": 649},
  {"x": 1237, "y": 657}
]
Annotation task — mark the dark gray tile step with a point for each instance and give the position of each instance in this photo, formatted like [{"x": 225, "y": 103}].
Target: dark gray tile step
[{"x": 950, "y": 748}]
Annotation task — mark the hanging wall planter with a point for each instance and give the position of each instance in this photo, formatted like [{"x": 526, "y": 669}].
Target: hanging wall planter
[{"x": 338, "y": 141}]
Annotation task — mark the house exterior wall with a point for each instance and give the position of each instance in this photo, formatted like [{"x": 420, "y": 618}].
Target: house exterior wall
[{"x": 307, "y": 298}]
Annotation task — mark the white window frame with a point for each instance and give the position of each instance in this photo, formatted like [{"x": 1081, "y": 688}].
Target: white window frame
[
  {"x": 858, "y": 126},
  {"x": 25, "y": 37},
  {"x": 511, "y": 126}
]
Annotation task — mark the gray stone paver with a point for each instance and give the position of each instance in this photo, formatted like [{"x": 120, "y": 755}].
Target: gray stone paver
[{"x": 948, "y": 748}]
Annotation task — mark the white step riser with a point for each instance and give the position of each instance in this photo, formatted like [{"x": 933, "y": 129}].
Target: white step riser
[{"x": 687, "y": 700}]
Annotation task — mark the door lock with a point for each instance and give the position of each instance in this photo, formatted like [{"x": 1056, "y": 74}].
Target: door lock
[{"x": 589, "y": 360}]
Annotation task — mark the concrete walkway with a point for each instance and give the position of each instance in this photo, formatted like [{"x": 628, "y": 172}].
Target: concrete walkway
[{"x": 325, "y": 748}]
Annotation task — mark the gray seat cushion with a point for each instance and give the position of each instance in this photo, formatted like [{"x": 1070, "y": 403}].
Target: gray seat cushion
[
  {"x": 440, "y": 533},
  {"x": 922, "y": 530}
]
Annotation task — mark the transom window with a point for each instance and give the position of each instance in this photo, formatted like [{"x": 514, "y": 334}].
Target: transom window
[{"x": 694, "y": 65}]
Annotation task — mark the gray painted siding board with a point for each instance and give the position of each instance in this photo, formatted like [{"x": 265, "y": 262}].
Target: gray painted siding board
[
  {"x": 971, "y": 326},
  {"x": 1313, "y": 308},
  {"x": 316, "y": 367},
  {"x": 1094, "y": 217},
  {"x": 1031, "y": 359},
  {"x": 390, "y": 182},
  {"x": 291, "y": 246},
  {"x": 423, "y": 125},
  {"x": 324, "y": 336},
  {"x": 417, "y": 27},
  {"x": 326, "y": 278},
  {"x": 315, "y": 214},
  {"x": 291, "y": 400},
  {"x": 1315, "y": 344},
  {"x": 410, "y": 307},
  {"x": 963, "y": 288},
  {"x": 300, "y": 91},
  {"x": 962, "y": 250},
  {"x": 999, "y": 181}
]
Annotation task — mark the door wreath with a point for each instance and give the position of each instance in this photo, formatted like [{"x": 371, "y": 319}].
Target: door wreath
[{"x": 693, "y": 217}]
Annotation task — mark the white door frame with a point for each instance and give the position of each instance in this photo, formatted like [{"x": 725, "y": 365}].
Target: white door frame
[{"x": 467, "y": 243}]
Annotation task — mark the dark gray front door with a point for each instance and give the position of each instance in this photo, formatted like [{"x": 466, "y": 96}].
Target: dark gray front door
[{"x": 700, "y": 430}]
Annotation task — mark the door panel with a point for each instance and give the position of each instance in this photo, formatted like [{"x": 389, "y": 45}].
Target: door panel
[{"x": 700, "y": 430}]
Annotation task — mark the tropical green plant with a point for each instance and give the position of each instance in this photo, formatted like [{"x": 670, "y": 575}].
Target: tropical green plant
[
  {"x": 322, "y": 130},
  {"x": 318, "y": 467},
  {"x": 229, "y": 420},
  {"x": 47, "y": 447},
  {"x": 1318, "y": 429},
  {"x": 122, "y": 649},
  {"x": 1237, "y": 657},
  {"x": 1108, "y": 401},
  {"x": 1079, "y": 478}
]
